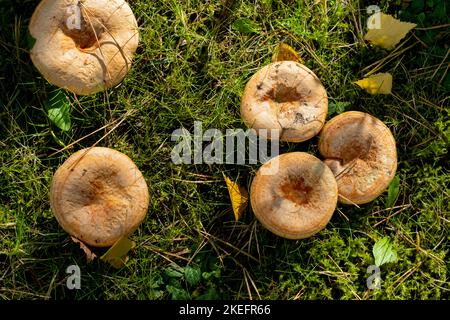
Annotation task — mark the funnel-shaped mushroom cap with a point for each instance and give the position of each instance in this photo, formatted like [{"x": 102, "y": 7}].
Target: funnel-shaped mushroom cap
[
  {"x": 99, "y": 195},
  {"x": 288, "y": 97},
  {"x": 297, "y": 201},
  {"x": 361, "y": 152},
  {"x": 83, "y": 46}
]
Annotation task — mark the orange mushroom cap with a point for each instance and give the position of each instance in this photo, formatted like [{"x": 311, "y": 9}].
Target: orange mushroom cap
[
  {"x": 99, "y": 195},
  {"x": 285, "y": 96},
  {"x": 360, "y": 150},
  {"x": 83, "y": 46},
  {"x": 299, "y": 200}
]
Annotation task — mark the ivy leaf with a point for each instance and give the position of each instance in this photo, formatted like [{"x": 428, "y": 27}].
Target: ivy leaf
[
  {"x": 394, "y": 188},
  {"x": 246, "y": 25},
  {"x": 192, "y": 275},
  {"x": 58, "y": 110},
  {"x": 384, "y": 252},
  {"x": 238, "y": 196}
]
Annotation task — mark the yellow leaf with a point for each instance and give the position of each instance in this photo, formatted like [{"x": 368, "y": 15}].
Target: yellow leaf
[
  {"x": 117, "y": 254},
  {"x": 238, "y": 196},
  {"x": 89, "y": 254},
  {"x": 285, "y": 52},
  {"x": 380, "y": 83},
  {"x": 386, "y": 31}
]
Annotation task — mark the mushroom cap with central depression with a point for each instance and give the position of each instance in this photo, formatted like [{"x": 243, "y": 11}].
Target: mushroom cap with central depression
[
  {"x": 360, "y": 150},
  {"x": 83, "y": 46},
  {"x": 98, "y": 195},
  {"x": 286, "y": 97},
  {"x": 294, "y": 195}
]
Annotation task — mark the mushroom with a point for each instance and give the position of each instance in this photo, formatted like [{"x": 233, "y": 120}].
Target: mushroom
[
  {"x": 298, "y": 200},
  {"x": 285, "y": 96},
  {"x": 361, "y": 152},
  {"x": 84, "y": 46},
  {"x": 99, "y": 195}
]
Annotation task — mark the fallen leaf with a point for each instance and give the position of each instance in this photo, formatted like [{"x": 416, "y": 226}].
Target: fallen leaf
[
  {"x": 117, "y": 254},
  {"x": 238, "y": 196},
  {"x": 384, "y": 252},
  {"x": 285, "y": 52},
  {"x": 90, "y": 256},
  {"x": 386, "y": 31},
  {"x": 380, "y": 83}
]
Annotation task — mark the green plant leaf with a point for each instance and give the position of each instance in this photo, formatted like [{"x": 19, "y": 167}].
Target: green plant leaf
[
  {"x": 172, "y": 273},
  {"x": 418, "y": 5},
  {"x": 58, "y": 110},
  {"x": 56, "y": 99},
  {"x": 422, "y": 17},
  {"x": 192, "y": 275},
  {"x": 439, "y": 11},
  {"x": 209, "y": 294},
  {"x": 178, "y": 293},
  {"x": 60, "y": 117},
  {"x": 394, "y": 188},
  {"x": 246, "y": 25},
  {"x": 30, "y": 40},
  {"x": 384, "y": 252},
  {"x": 215, "y": 273},
  {"x": 337, "y": 107}
]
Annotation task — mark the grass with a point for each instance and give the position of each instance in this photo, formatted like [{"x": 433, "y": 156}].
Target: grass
[{"x": 192, "y": 64}]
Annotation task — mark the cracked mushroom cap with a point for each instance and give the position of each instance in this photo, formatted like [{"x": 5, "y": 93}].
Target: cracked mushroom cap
[
  {"x": 84, "y": 46},
  {"x": 99, "y": 195},
  {"x": 361, "y": 152},
  {"x": 288, "y": 97},
  {"x": 298, "y": 200}
]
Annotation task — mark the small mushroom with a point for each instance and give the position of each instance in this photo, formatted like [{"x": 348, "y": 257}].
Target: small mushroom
[
  {"x": 99, "y": 195},
  {"x": 285, "y": 96},
  {"x": 298, "y": 200},
  {"x": 361, "y": 152},
  {"x": 84, "y": 46}
]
